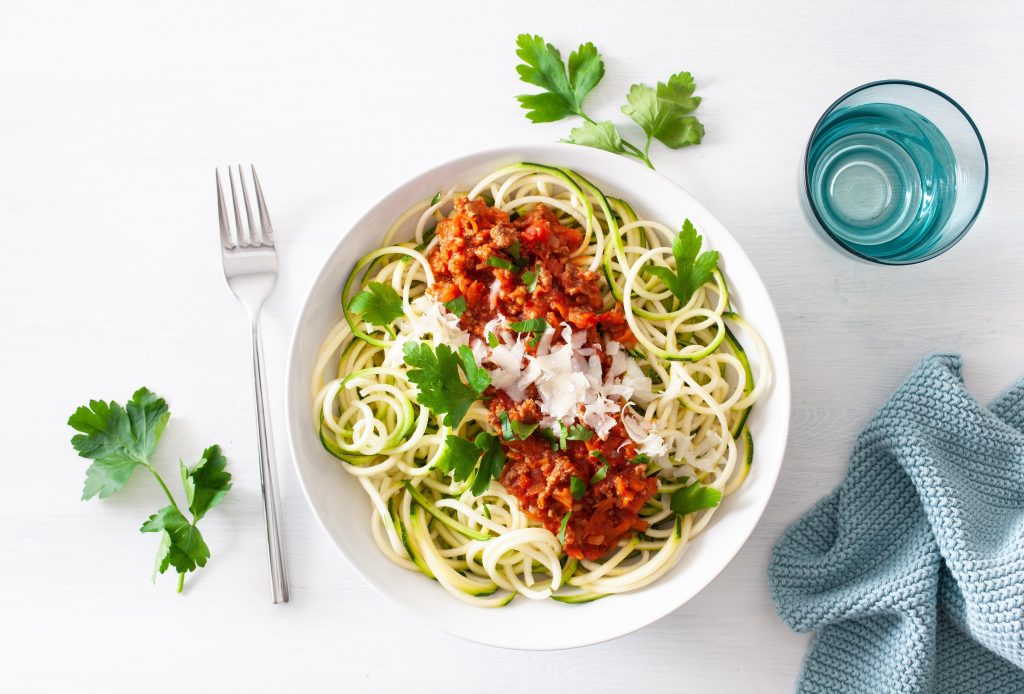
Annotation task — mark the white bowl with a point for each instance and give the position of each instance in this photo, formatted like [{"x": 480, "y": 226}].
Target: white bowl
[{"x": 342, "y": 508}]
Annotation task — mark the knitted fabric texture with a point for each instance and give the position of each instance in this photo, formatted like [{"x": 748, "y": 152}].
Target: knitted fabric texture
[{"x": 912, "y": 571}]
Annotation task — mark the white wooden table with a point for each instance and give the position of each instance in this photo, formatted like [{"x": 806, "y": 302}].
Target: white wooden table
[{"x": 114, "y": 116}]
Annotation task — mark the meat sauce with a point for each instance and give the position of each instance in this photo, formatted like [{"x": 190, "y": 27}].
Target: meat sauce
[{"x": 537, "y": 474}]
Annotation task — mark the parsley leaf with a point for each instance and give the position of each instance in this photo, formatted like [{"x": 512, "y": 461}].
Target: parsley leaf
[
  {"x": 436, "y": 374},
  {"x": 694, "y": 497},
  {"x": 206, "y": 483},
  {"x": 533, "y": 325},
  {"x": 692, "y": 270},
  {"x": 663, "y": 112},
  {"x": 601, "y": 473},
  {"x": 640, "y": 459},
  {"x": 181, "y": 546},
  {"x": 563, "y": 526},
  {"x": 577, "y": 487},
  {"x": 492, "y": 462},
  {"x": 506, "y": 426},
  {"x": 529, "y": 278},
  {"x": 117, "y": 439},
  {"x": 578, "y": 432},
  {"x": 456, "y": 306},
  {"x": 599, "y": 455},
  {"x": 458, "y": 458},
  {"x": 492, "y": 340},
  {"x": 542, "y": 66},
  {"x": 601, "y": 135},
  {"x": 500, "y": 263},
  {"x": 436, "y": 199},
  {"x": 378, "y": 304},
  {"x": 521, "y": 430}
]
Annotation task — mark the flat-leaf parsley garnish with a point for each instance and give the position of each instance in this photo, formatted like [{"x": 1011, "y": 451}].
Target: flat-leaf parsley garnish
[
  {"x": 692, "y": 270},
  {"x": 120, "y": 439},
  {"x": 663, "y": 112},
  {"x": 694, "y": 497},
  {"x": 456, "y": 306},
  {"x": 378, "y": 304},
  {"x": 436, "y": 374}
]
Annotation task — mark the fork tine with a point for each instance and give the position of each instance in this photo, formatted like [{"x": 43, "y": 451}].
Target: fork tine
[
  {"x": 248, "y": 209},
  {"x": 266, "y": 231},
  {"x": 225, "y": 225},
  {"x": 244, "y": 239}
]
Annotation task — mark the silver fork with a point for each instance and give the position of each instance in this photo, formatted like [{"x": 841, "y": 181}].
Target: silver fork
[{"x": 250, "y": 268}]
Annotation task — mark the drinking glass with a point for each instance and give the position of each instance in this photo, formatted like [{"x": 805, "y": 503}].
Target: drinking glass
[{"x": 895, "y": 172}]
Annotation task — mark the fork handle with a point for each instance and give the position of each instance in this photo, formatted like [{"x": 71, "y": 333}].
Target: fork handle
[{"x": 268, "y": 472}]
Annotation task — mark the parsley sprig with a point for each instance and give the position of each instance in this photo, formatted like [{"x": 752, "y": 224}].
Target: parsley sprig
[
  {"x": 694, "y": 497},
  {"x": 462, "y": 457},
  {"x": 692, "y": 270},
  {"x": 379, "y": 305},
  {"x": 436, "y": 374},
  {"x": 662, "y": 112},
  {"x": 120, "y": 439}
]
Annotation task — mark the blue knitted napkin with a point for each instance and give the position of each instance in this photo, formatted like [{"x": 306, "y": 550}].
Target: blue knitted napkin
[{"x": 912, "y": 570}]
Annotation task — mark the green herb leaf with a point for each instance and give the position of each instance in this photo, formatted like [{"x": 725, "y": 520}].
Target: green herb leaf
[
  {"x": 477, "y": 376},
  {"x": 694, "y": 497},
  {"x": 533, "y": 325},
  {"x": 640, "y": 459},
  {"x": 601, "y": 473},
  {"x": 492, "y": 462},
  {"x": 663, "y": 112},
  {"x": 436, "y": 199},
  {"x": 182, "y": 546},
  {"x": 117, "y": 439},
  {"x": 563, "y": 526},
  {"x": 692, "y": 270},
  {"x": 578, "y": 432},
  {"x": 529, "y": 278},
  {"x": 599, "y": 455},
  {"x": 492, "y": 340},
  {"x": 521, "y": 430},
  {"x": 206, "y": 483},
  {"x": 378, "y": 304},
  {"x": 456, "y": 306},
  {"x": 506, "y": 426},
  {"x": 542, "y": 66},
  {"x": 601, "y": 135},
  {"x": 534, "y": 341},
  {"x": 501, "y": 263},
  {"x": 577, "y": 487},
  {"x": 458, "y": 458},
  {"x": 551, "y": 437},
  {"x": 436, "y": 375},
  {"x": 515, "y": 251}
]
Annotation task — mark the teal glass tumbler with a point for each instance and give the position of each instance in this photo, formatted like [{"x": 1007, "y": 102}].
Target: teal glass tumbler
[{"x": 895, "y": 172}]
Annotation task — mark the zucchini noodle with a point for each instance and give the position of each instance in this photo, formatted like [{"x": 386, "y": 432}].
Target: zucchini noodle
[{"x": 485, "y": 550}]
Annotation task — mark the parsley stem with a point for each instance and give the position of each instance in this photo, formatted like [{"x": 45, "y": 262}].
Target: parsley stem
[
  {"x": 181, "y": 582},
  {"x": 162, "y": 485}
]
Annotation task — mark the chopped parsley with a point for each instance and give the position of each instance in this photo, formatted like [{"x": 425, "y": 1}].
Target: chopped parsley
[
  {"x": 530, "y": 279},
  {"x": 601, "y": 473},
  {"x": 578, "y": 432},
  {"x": 640, "y": 459},
  {"x": 506, "y": 426},
  {"x": 436, "y": 375},
  {"x": 522, "y": 430},
  {"x": 378, "y": 304},
  {"x": 456, "y": 306},
  {"x": 492, "y": 462},
  {"x": 495, "y": 261},
  {"x": 694, "y": 497},
  {"x": 599, "y": 455},
  {"x": 577, "y": 487},
  {"x": 532, "y": 325},
  {"x": 492, "y": 340},
  {"x": 692, "y": 270},
  {"x": 563, "y": 526},
  {"x": 436, "y": 199}
]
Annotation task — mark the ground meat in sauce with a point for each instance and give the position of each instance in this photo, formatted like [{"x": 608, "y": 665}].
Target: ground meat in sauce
[{"x": 538, "y": 476}]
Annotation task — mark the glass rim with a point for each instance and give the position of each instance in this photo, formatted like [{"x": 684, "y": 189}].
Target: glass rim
[{"x": 906, "y": 83}]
